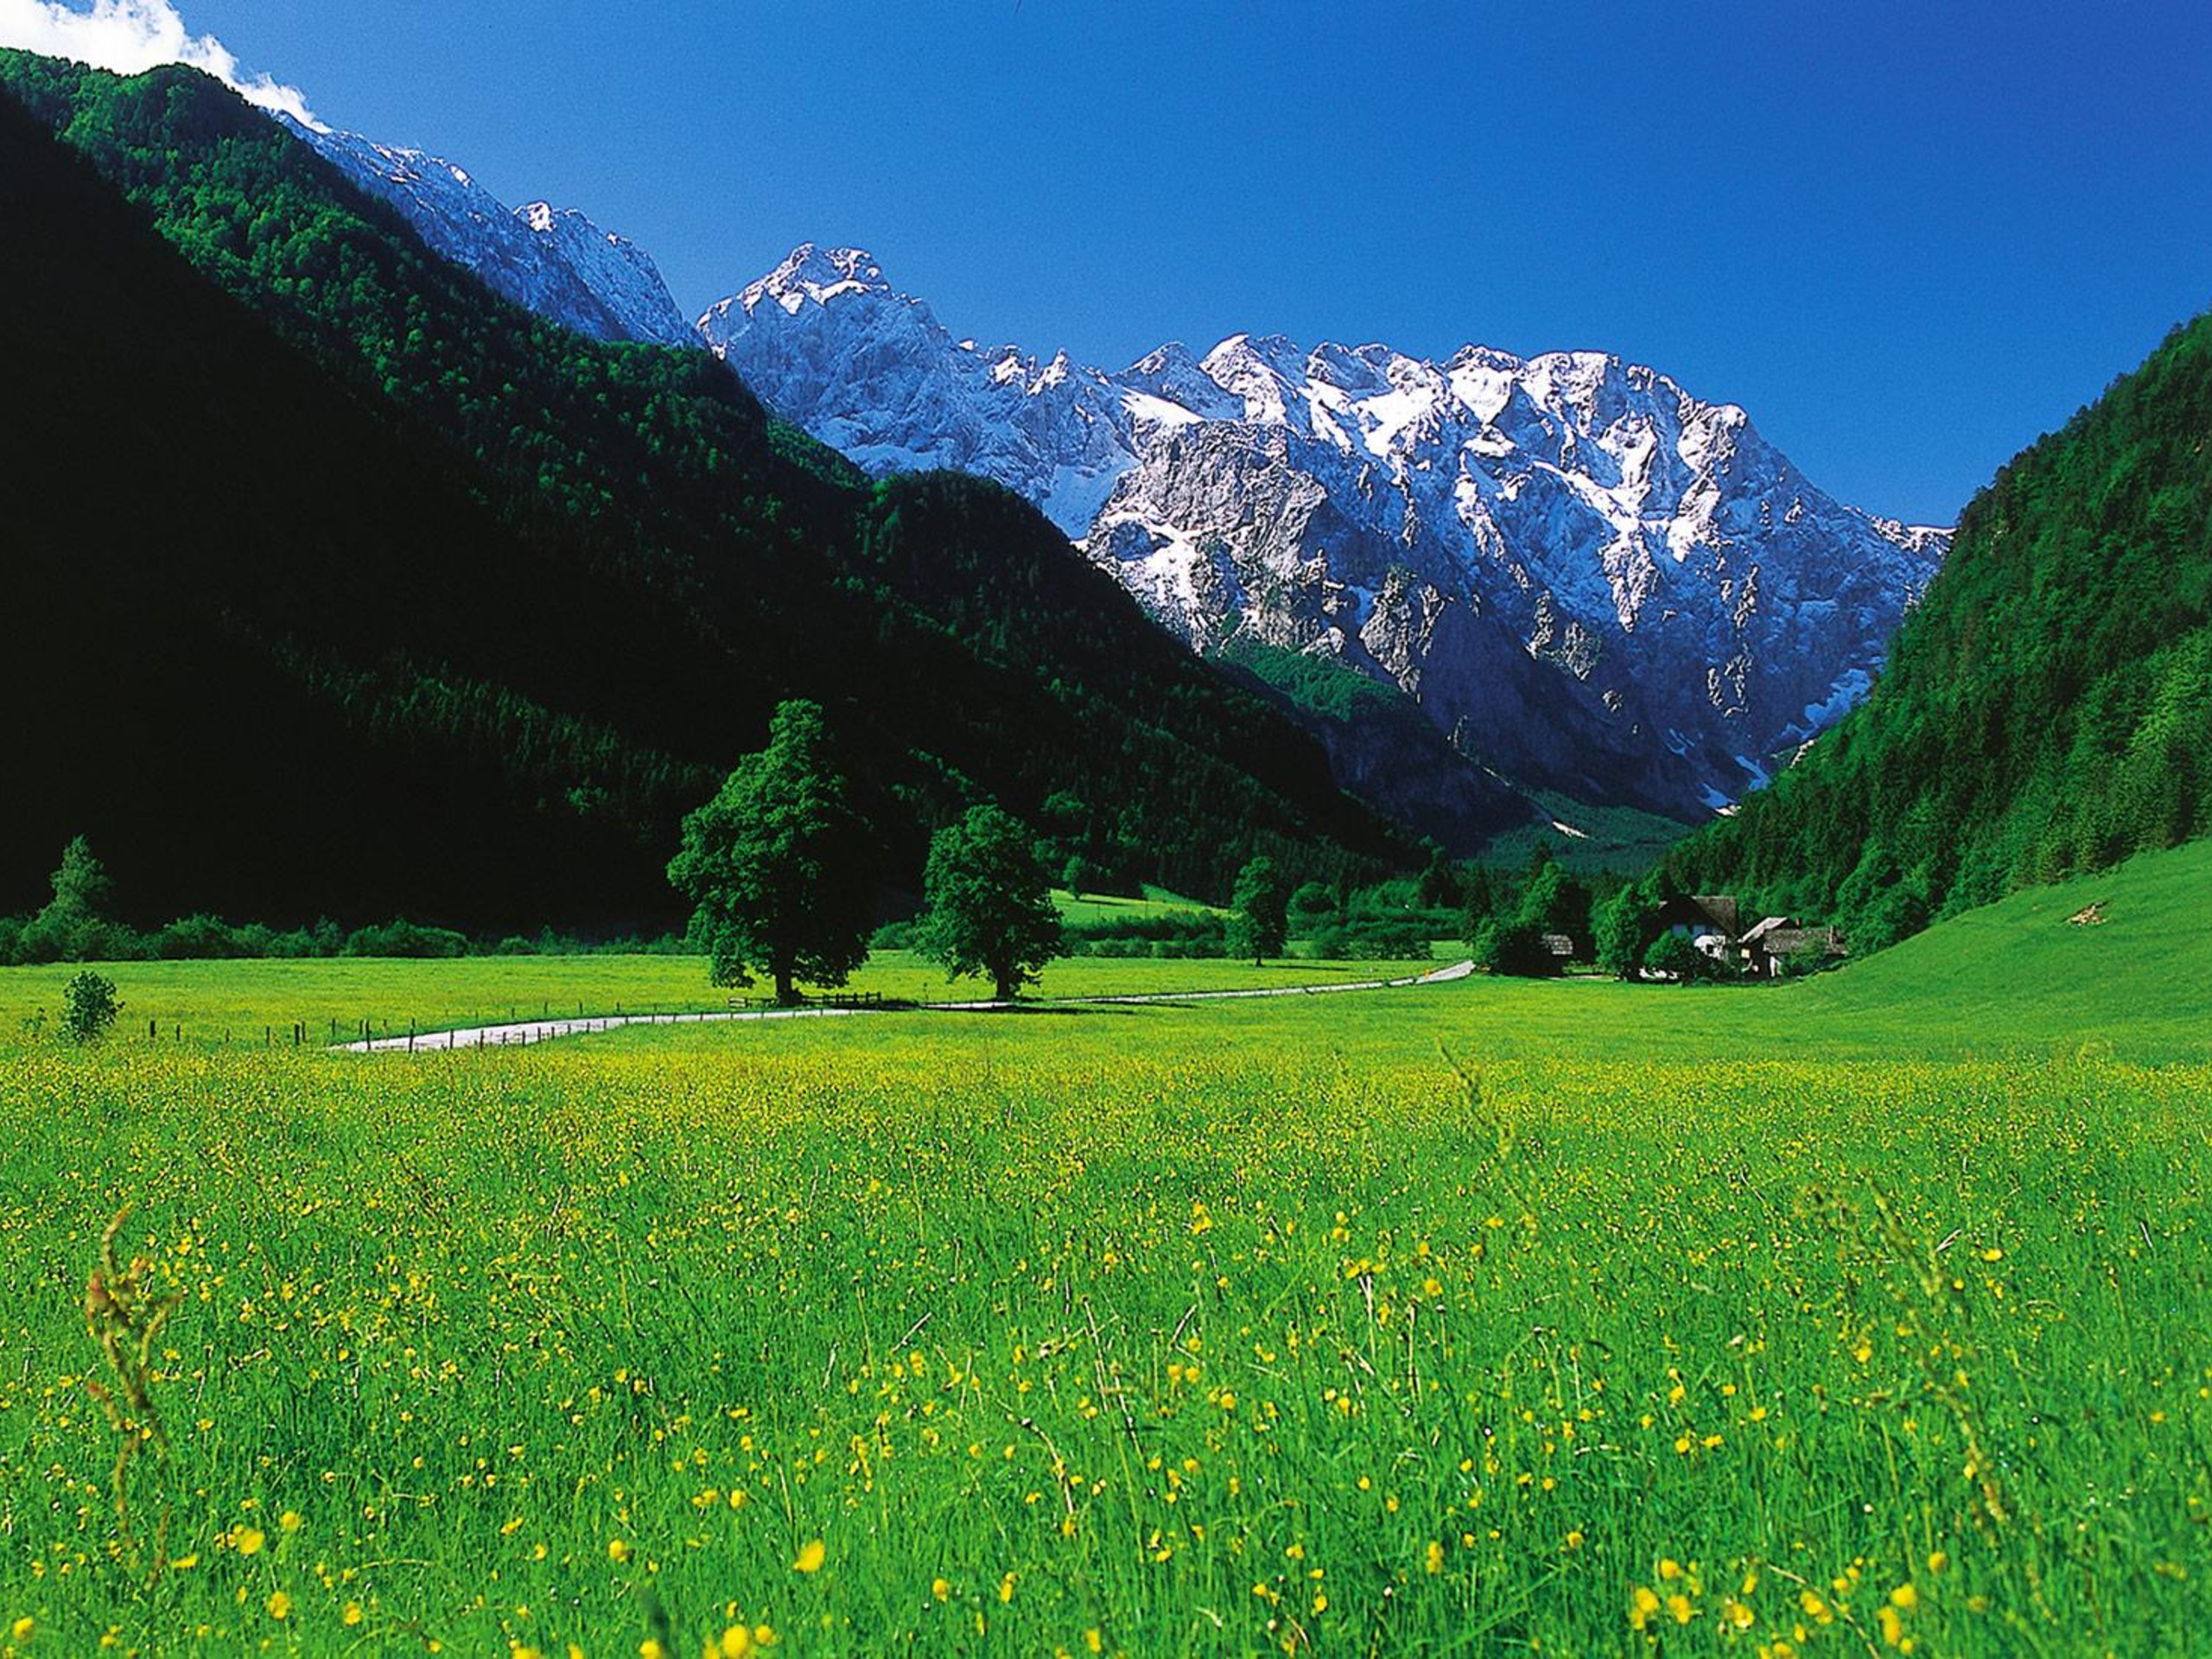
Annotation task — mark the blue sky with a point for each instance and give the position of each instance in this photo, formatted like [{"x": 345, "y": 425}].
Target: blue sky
[{"x": 1908, "y": 239}]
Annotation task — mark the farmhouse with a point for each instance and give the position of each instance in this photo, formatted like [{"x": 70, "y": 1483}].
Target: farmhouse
[
  {"x": 1707, "y": 920},
  {"x": 1711, "y": 921},
  {"x": 1770, "y": 944}
]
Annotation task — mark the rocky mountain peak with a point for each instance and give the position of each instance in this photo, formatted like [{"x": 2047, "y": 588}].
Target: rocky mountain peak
[
  {"x": 812, "y": 275},
  {"x": 1592, "y": 579}
]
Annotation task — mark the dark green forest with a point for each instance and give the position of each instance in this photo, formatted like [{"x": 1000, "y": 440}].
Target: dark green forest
[
  {"x": 2047, "y": 708},
  {"x": 337, "y": 585}
]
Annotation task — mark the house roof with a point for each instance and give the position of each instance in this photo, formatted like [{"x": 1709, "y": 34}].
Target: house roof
[
  {"x": 1716, "y": 911},
  {"x": 1782, "y": 941},
  {"x": 1768, "y": 927},
  {"x": 1721, "y": 906}
]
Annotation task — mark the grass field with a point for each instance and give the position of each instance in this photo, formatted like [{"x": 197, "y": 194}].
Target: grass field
[
  {"x": 1107, "y": 908},
  {"x": 1574, "y": 1319}
]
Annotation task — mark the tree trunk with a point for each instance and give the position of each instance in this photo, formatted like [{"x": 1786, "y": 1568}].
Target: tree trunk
[
  {"x": 786, "y": 993},
  {"x": 1009, "y": 987}
]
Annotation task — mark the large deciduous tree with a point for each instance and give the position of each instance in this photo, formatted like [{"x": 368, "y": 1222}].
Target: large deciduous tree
[
  {"x": 1259, "y": 921},
  {"x": 780, "y": 866},
  {"x": 990, "y": 903}
]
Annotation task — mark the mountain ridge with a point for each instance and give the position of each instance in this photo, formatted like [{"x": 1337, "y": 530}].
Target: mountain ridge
[
  {"x": 1347, "y": 501},
  {"x": 552, "y": 260},
  {"x": 1593, "y": 583}
]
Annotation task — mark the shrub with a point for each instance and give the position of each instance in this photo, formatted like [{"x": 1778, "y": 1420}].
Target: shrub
[
  {"x": 1515, "y": 949},
  {"x": 406, "y": 938},
  {"x": 89, "y": 1006}
]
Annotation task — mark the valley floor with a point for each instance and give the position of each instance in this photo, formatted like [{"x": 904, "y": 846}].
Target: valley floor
[{"x": 1823, "y": 1317}]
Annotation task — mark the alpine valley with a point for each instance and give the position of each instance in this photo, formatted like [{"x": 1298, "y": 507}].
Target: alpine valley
[{"x": 1597, "y": 588}]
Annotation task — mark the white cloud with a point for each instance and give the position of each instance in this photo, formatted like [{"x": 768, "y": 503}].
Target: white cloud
[{"x": 131, "y": 36}]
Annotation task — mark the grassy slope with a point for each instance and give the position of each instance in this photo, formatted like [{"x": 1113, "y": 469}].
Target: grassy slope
[
  {"x": 1106, "y": 906},
  {"x": 2016, "y": 974},
  {"x": 1484, "y": 1359}
]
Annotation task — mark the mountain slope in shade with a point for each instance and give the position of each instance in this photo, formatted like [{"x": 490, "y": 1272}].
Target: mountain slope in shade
[
  {"x": 554, "y": 261},
  {"x": 1592, "y": 580},
  {"x": 459, "y": 609}
]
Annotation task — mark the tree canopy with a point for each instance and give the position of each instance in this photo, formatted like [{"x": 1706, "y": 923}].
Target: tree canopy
[
  {"x": 1259, "y": 924},
  {"x": 990, "y": 903},
  {"x": 779, "y": 866}
]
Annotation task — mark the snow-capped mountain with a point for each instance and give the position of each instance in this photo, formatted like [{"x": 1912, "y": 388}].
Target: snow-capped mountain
[
  {"x": 552, "y": 260},
  {"x": 1592, "y": 579},
  {"x": 874, "y": 373}
]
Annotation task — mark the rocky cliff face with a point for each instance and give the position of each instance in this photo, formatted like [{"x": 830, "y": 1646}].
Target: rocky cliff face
[{"x": 1593, "y": 580}]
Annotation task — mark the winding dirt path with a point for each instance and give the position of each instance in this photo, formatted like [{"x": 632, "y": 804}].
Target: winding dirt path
[{"x": 527, "y": 1033}]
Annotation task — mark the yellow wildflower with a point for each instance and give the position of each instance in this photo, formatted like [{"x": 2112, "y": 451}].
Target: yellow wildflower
[{"x": 1641, "y": 1605}]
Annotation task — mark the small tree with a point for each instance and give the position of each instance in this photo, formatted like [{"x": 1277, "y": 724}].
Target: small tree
[
  {"x": 1259, "y": 924},
  {"x": 1078, "y": 877},
  {"x": 1313, "y": 905},
  {"x": 1440, "y": 883},
  {"x": 89, "y": 1006},
  {"x": 1673, "y": 956},
  {"x": 1478, "y": 897},
  {"x": 990, "y": 903},
  {"x": 1624, "y": 926},
  {"x": 74, "y": 926},
  {"x": 780, "y": 865},
  {"x": 1515, "y": 949}
]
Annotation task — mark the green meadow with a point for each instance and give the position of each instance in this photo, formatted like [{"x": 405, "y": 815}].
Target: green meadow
[{"x": 1864, "y": 1315}]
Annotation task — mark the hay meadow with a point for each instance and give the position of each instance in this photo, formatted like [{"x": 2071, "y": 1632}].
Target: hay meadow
[{"x": 1477, "y": 1318}]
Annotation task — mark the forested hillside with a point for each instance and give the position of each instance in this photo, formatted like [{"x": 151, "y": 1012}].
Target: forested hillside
[
  {"x": 2047, "y": 709},
  {"x": 337, "y": 584}
]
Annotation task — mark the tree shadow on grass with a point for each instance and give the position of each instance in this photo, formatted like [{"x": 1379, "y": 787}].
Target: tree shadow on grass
[{"x": 1005, "y": 1010}]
